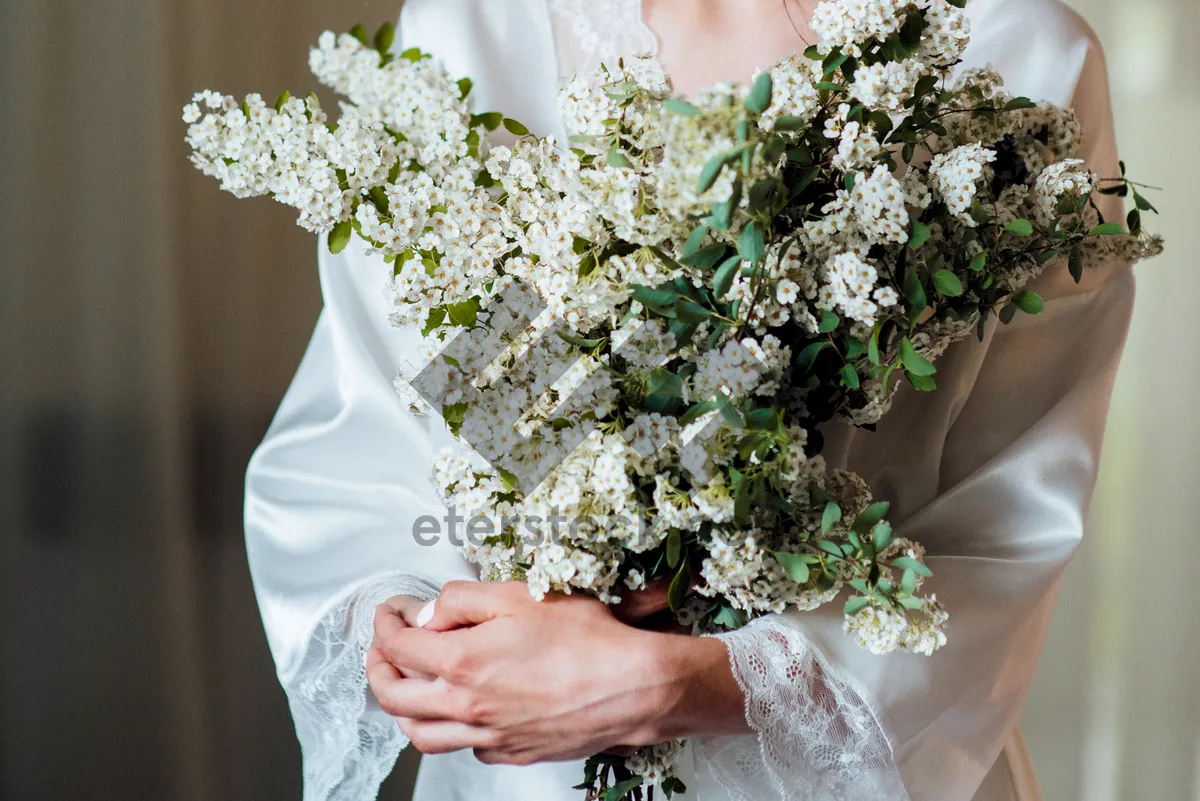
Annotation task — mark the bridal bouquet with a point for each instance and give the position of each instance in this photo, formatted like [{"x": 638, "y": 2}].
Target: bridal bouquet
[{"x": 637, "y": 334}]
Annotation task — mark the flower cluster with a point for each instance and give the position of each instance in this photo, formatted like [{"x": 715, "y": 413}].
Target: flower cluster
[{"x": 637, "y": 335}]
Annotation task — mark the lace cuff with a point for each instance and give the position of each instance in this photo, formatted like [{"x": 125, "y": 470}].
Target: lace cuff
[
  {"x": 349, "y": 744},
  {"x": 817, "y": 738}
]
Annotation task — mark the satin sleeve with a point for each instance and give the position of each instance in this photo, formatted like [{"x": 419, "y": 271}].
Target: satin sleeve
[
  {"x": 1017, "y": 466},
  {"x": 345, "y": 470},
  {"x": 332, "y": 495}
]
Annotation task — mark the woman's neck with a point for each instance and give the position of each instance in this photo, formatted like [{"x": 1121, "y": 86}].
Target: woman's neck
[{"x": 702, "y": 42}]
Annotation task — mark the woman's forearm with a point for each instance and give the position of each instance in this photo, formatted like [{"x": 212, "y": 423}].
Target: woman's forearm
[{"x": 701, "y": 696}]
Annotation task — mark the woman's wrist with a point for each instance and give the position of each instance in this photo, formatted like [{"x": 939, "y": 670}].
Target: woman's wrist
[{"x": 700, "y": 696}]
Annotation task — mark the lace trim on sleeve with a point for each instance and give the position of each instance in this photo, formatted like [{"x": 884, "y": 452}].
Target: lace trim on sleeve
[
  {"x": 818, "y": 740},
  {"x": 349, "y": 744}
]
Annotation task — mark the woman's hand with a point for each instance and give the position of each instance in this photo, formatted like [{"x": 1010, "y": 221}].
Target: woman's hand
[
  {"x": 522, "y": 681},
  {"x": 400, "y": 610}
]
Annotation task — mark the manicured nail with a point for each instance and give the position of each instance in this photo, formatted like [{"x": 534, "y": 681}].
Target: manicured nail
[{"x": 426, "y": 614}]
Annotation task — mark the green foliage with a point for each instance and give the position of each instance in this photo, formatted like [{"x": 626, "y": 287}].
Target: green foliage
[
  {"x": 384, "y": 38},
  {"x": 947, "y": 283},
  {"x": 340, "y": 236},
  {"x": 759, "y": 97},
  {"x": 515, "y": 128},
  {"x": 914, "y": 363}
]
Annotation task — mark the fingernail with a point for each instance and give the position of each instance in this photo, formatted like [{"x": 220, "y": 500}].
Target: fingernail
[{"x": 426, "y": 614}]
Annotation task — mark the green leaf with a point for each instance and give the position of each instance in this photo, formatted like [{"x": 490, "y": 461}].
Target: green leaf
[
  {"x": 509, "y": 480},
  {"x": 795, "y": 565},
  {"x": 616, "y": 158},
  {"x": 677, "y": 105},
  {"x": 490, "y": 120},
  {"x": 385, "y": 37},
  {"x": 730, "y": 412},
  {"x": 751, "y": 246},
  {"x": 1075, "y": 265},
  {"x": 979, "y": 261},
  {"x": 695, "y": 240},
  {"x": 472, "y": 143},
  {"x": 806, "y": 180},
  {"x": 947, "y": 283},
  {"x": 790, "y": 123},
  {"x": 515, "y": 128},
  {"x": 434, "y": 321},
  {"x": 618, "y": 791},
  {"x": 914, "y": 362},
  {"x": 699, "y": 410},
  {"x": 465, "y": 314},
  {"x": 1029, "y": 302},
  {"x": 656, "y": 297},
  {"x": 722, "y": 213},
  {"x": 706, "y": 257},
  {"x": 920, "y": 235},
  {"x": 882, "y": 536},
  {"x": 723, "y": 279},
  {"x": 1020, "y": 228},
  {"x": 1018, "y": 103},
  {"x": 339, "y": 237},
  {"x": 586, "y": 344},
  {"x": 829, "y": 322},
  {"x": 454, "y": 415},
  {"x": 830, "y": 517},
  {"x": 759, "y": 98},
  {"x": 854, "y": 605},
  {"x": 282, "y": 99},
  {"x": 360, "y": 33},
  {"x": 674, "y": 548},
  {"x": 908, "y": 563},
  {"x": 913, "y": 289},
  {"x": 882, "y": 122},
  {"x": 691, "y": 312},
  {"x": 464, "y": 87},
  {"x": 835, "y": 59},
  {"x": 809, "y": 354},
  {"x": 711, "y": 171},
  {"x": 677, "y": 592},
  {"x": 870, "y": 516},
  {"x": 1107, "y": 229},
  {"x": 730, "y": 618},
  {"x": 741, "y": 496},
  {"x": 849, "y": 376},
  {"x": 921, "y": 383},
  {"x": 830, "y": 548},
  {"x": 672, "y": 785},
  {"x": 665, "y": 384}
]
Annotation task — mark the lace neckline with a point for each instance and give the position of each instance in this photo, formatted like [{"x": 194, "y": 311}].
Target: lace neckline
[{"x": 588, "y": 33}]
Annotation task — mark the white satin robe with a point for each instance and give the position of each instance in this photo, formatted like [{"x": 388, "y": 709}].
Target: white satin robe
[{"x": 992, "y": 473}]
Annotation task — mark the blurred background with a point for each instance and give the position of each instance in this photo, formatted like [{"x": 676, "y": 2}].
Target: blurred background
[{"x": 150, "y": 324}]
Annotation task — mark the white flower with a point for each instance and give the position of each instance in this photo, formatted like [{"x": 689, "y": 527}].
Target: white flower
[{"x": 955, "y": 178}]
